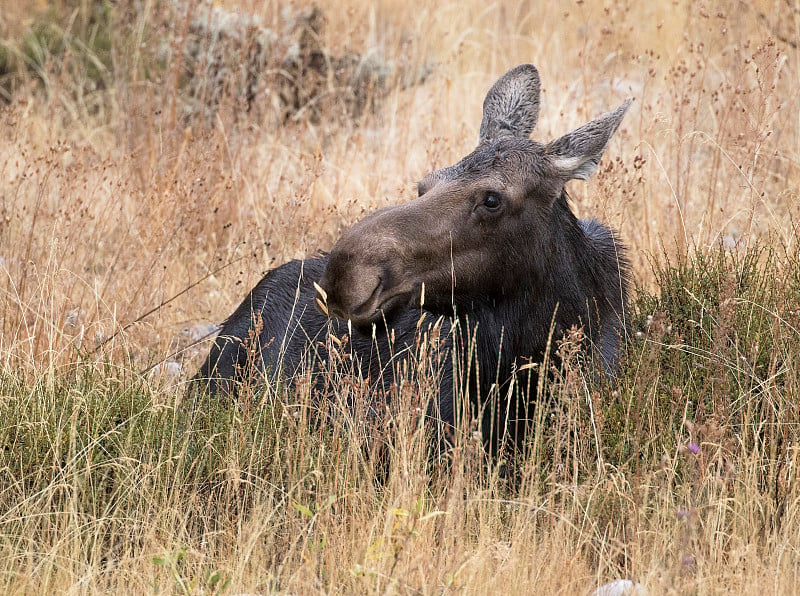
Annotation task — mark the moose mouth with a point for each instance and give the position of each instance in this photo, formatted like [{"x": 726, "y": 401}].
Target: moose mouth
[
  {"x": 381, "y": 303},
  {"x": 369, "y": 310}
]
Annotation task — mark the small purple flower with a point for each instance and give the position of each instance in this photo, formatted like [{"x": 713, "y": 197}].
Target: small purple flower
[
  {"x": 683, "y": 513},
  {"x": 688, "y": 560},
  {"x": 693, "y": 447}
]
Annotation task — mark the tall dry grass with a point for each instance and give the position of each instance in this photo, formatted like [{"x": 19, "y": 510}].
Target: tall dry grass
[{"x": 129, "y": 222}]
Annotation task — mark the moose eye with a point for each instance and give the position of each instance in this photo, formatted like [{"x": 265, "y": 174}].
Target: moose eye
[{"x": 491, "y": 202}]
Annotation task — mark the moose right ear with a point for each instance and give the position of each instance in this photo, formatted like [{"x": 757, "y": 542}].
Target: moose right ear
[
  {"x": 512, "y": 105},
  {"x": 576, "y": 154}
]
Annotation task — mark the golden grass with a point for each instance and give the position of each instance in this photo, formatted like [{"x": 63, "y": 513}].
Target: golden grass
[{"x": 121, "y": 227}]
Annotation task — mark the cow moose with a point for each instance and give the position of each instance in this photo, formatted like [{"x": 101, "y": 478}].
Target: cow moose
[{"x": 490, "y": 247}]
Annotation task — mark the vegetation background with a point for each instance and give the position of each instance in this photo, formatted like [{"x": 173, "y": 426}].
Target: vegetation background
[{"x": 158, "y": 156}]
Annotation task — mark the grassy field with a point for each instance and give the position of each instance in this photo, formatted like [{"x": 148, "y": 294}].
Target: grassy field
[{"x": 157, "y": 157}]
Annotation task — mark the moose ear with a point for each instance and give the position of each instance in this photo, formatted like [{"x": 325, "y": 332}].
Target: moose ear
[
  {"x": 576, "y": 154},
  {"x": 512, "y": 105}
]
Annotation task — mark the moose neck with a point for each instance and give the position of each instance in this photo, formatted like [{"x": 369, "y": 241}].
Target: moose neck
[{"x": 520, "y": 321}]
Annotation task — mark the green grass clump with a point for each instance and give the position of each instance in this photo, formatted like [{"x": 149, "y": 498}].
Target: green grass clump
[
  {"x": 78, "y": 36},
  {"x": 109, "y": 467},
  {"x": 717, "y": 342}
]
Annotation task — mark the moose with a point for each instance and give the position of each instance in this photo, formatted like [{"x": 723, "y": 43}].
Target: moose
[{"x": 490, "y": 247}]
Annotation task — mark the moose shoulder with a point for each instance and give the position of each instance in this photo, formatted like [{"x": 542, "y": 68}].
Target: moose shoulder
[{"x": 491, "y": 244}]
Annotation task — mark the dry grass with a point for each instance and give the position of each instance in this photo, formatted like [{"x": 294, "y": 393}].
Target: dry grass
[{"x": 125, "y": 226}]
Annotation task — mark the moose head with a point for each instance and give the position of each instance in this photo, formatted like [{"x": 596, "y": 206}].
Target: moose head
[{"x": 482, "y": 230}]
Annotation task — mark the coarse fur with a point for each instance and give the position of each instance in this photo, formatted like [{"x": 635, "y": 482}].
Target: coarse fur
[{"x": 490, "y": 248}]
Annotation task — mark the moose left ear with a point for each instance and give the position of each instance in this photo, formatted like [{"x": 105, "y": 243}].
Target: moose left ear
[
  {"x": 511, "y": 107},
  {"x": 576, "y": 154}
]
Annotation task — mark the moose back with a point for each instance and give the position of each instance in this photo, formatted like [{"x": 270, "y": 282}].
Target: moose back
[{"x": 491, "y": 245}]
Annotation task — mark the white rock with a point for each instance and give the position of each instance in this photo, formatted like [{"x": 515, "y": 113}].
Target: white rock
[
  {"x": 620, "y": 587},
  {"x": 167, "y": 372},
  {"x": 199, "y": 331}
]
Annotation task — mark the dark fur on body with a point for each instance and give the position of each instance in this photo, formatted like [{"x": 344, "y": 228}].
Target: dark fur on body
[{"x": 501, "y": 331}]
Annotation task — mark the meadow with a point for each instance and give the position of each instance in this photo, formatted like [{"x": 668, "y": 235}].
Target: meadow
[{"x": 157, "y": 157}]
